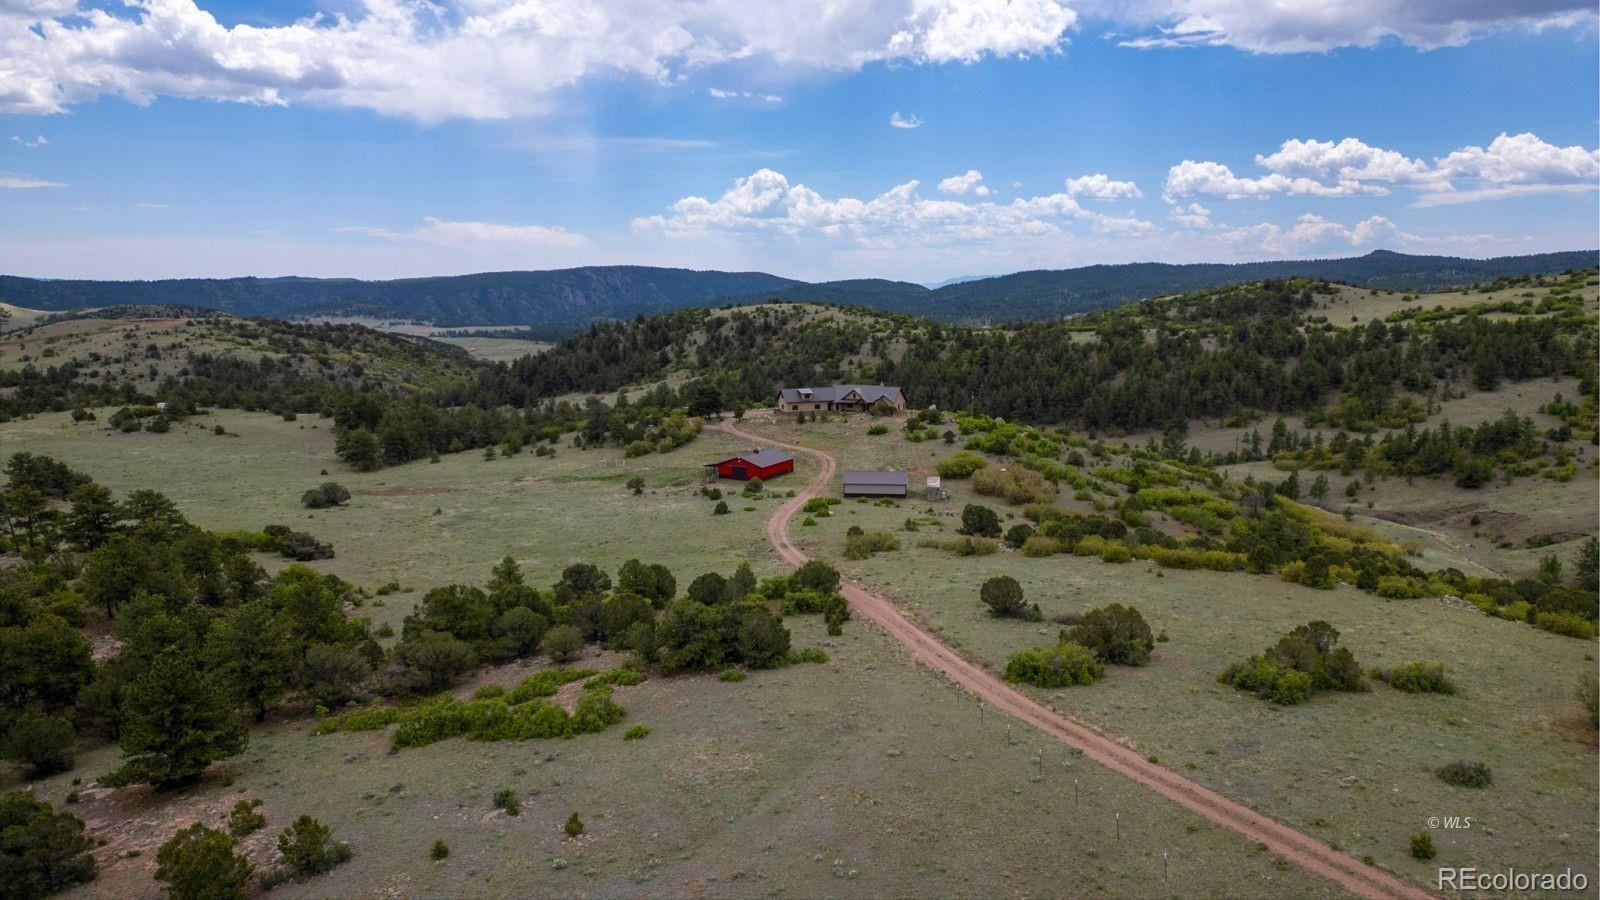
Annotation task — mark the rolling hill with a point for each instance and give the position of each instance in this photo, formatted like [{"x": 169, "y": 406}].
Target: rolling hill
[{"x": 569, "y": 299}]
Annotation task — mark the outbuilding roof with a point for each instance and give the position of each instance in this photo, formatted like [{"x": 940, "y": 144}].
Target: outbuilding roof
[
  {"x": 877, "y": 478},
  {"x": 759, "y": 458},
  {"x": 870, "y": 393}
]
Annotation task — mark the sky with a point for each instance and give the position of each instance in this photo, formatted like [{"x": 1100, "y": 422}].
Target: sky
[{"x": 918, "y": 140}]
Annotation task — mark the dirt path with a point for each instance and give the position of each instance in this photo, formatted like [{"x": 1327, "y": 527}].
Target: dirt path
[{"x": 1300, "y": 849}]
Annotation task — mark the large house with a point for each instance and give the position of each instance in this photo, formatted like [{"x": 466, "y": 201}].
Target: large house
[{"x": 840, "y": 398}]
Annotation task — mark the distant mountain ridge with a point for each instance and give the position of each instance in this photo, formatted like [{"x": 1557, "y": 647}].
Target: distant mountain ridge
[{"x": 577, "y": 297}]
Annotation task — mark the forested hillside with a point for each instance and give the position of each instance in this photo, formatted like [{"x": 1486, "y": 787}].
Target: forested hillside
[
  {"x": 567, "y": 300},
  {"x": 569, "y": 297},
  {"x": 1247, "y": 348}
]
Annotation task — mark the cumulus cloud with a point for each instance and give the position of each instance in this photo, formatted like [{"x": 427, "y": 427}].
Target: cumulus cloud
[
  {"x": 1510, "y": 166},
  {"x": 445, "y": 233},
  {"x": 1192, "y": 216},
  {"x": 898, "y": 121},
  {"x": 767, "y": 203},
  {"x": 39, "y": 141},
  {"x": 17, "y": 182},
  {"x": 432, "y": 61},
  {"x": 1100, "y": 187},
  {"x": 963, "y": 185},
  {"x": 1272, "y": 26}
]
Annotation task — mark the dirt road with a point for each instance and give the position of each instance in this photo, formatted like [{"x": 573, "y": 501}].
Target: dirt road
[{"x": 1295, "y": 847}]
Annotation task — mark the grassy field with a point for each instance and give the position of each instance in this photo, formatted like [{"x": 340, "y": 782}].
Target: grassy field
[
  {"x": 495, "y": 349},
  {"x": 862, "y": 777},
  {"x": 1355, "y": 770}
]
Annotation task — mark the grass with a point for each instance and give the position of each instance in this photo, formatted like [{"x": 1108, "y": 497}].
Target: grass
[
  {"x": 1363, "y": 763},
  {"x": 428, "y": 524},
  {"x": 783, "y": 783}
]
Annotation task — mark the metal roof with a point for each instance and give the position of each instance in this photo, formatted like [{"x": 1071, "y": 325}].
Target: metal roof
[
  {"x": 758, "y": 458},
  {"x": 870, "y": 393},
  {"x": 877, "y": 478}
]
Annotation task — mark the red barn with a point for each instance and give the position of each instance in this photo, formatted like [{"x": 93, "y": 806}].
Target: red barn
[{"x": 757, "y": 463}]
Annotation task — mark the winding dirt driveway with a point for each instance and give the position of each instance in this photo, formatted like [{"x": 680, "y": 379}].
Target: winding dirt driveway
[{"x": 1300, "y": 849}]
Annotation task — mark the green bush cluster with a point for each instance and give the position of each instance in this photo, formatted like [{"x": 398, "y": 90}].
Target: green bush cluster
[
  {"x": 1418, "y": 678},
  {"x": 1303, "y": 662},
  {"x": 1063, "y": 665},
  {"x": 1465, "y": 774}
]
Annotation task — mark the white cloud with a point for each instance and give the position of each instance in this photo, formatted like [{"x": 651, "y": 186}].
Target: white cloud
[
  {"x": 1192, "y": 216},
  {"x": 153, "y": 205},
  {"x": 970, "y": 184},
  {"x": 443, "y": 233},
  {"x": 432, "y": 61},
  {"x": 898, "y": 121},
  {"x": 39, "y": 141},
  {"x": 1274, "y": 26},
  {"x": 724, "y": 94},
  {"x": 17, "y": 182},
  {"x": 767, "y": 203},
  {"x": 1213, "y": 179},
  {"x": 1100, "y": 187},
  {"x": 1510, "y": 166}
]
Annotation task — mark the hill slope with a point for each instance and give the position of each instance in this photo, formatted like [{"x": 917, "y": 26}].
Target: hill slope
[
  {"x": 572, "y": 298},
  {"x": 576, "y": 296}
]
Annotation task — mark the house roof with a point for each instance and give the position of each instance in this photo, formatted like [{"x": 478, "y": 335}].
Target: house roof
[
  {"x": 870, "y": 393},
  {"x": 758, "y": 458},
  {"x": 877, "y": 478}
]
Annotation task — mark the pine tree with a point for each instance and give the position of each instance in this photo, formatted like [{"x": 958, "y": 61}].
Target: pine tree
[
  {"x": 251, "y": 652},
  {"x": 200, "y": 863},
  {"x": 176, "y": 721}
]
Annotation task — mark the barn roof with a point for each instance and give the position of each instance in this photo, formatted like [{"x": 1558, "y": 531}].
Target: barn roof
[
  {"x": 870, "y": 393},
  {"x": 759, "y": 458},
  {"x": 877, "y": 478}
]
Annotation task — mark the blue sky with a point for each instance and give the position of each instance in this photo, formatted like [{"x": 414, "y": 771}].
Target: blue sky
[{"x": 170, "y": 139}]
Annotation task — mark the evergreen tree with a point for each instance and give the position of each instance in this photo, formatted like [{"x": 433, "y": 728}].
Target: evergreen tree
[
  {"x": 176, "y": 721},
  {"x": 253, "y": 655},
  {"x": 200, "y": 863}
]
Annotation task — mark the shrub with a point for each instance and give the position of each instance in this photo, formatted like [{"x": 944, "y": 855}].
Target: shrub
[
  {"x": 440, "y": 850},
  {"x": 979, "y": 521},
  {"x": 721, "y": 509},
  {"x": 1016, "y": 485},
  {"x": 1565, "y": 623},
  {"x": 1302, "y": 662},
  {"x": 330, "y": 493},
  {"x": 1115, "y": 553},
  {"x": 961, "y": 465},
  {"x": 1003, "y": 595},
  {"x": 1401, "y": 587},
  {"x": 308, "y": 848},
  {"x": 1039, "y": 546},
  {"x": 199, "y": 863},
  {"x": 246, "y": 818},
  {"x": 43, "y": 851},
  {"x": 562, "y": 643},
  {"x": 961, "y": 546},
  {"x": 43, "y": 742},
  {"x": 574, "y": 826},
  {"x": 1465, "y": 774},
  {"x": 877, "y": 430},
  {"x": 734, "y": 675},
  {"x": 506, "y": 799},
  {"x": 753, "y": 487},
  {"x": 636, "y": 733},
  {"x": 809, "y": 654},
  {"x": 1116, "y": 634},
  {"x": 861, "y": 546},
  {"x": 1418, "y": 678},
  {"x": 1063, "y": 665},
  {"x": 1422, "y": 845},
  {"x": 1018, "y": 534},
  {"x": 816, "y": 575}
]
